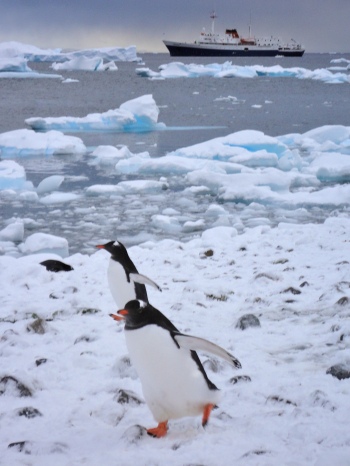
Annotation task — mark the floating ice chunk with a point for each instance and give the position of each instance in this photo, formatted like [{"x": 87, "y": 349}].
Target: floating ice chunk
[
  {"x": 42, "y": 242},
  {"x": 227, "y": 147},
  {"x": 25, "y": 142},
  {"x": 143, "y": 186},
  {"x": 337, "y": 134},
  {"x": 136, "y": 115},
  {"x": 14, "y": 64},
  {"x": 331, "y": 167},
  {"x": 14, "y": 232},
  {"x": 104, "y": 190},
  {"x": 197, "y": 225},
  {"x": 30, "y": 52},
  {"x": 215, "y": 210},
  {"x": 227, "y": 70},
  {"x": 28, "y": 196},
  {"x": 84, "y": 64},
  {"x": 107, "y": 155},
  {"x": 260, "y": 158},
  {"x": 51, "y": 183},
  {"x": 171, "y": 164},
  {"x": 70, "y": 80},
  {"x": 289, "y": 160},
  {"x": 106, "y": 53},
  {"x": 12, "y": 175},
  {"x": 166, "y": 223},
  {"x": 59, "y": 198}
]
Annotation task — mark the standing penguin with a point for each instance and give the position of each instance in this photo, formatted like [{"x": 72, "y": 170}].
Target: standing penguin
[
  {"x": 124, "y": 280},
  {"x": 173, "y": 379}
]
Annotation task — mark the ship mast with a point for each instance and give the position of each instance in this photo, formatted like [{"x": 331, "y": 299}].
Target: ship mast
[{"x": 213, "y": 16}]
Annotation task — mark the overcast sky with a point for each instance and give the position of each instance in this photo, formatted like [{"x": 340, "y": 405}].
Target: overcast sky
[{"x": 320, "y": 25}]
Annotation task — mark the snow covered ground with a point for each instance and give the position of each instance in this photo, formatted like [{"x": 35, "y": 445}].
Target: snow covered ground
[{"x": 69, "y": 395}]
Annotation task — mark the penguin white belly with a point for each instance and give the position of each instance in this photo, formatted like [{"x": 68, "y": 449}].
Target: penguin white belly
[
  {"x": 172, "y": 383},
  {"x": 122, "y": 290}
]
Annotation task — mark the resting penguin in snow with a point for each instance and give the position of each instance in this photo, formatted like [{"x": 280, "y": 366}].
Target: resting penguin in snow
[
  {"x": 124, "y": 280},
  {"x": 174, "y": 382}
]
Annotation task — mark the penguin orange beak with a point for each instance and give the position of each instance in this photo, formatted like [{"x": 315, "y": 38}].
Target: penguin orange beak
[
  {"x": 100, "y": 246},
  {"x": 122, "y": 313}
]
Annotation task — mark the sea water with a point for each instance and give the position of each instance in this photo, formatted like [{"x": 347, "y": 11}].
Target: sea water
[{"x": 194, "y": 110}]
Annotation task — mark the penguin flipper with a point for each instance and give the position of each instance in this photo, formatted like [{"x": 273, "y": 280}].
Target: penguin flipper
[
  {"x": 201, "y": 344},
  {"x": 143, "y": 280}
]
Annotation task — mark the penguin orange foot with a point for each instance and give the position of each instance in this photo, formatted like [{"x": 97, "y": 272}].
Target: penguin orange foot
[
  {"x": 206, "y": 413},
  {"x": 159, "y": 431}
]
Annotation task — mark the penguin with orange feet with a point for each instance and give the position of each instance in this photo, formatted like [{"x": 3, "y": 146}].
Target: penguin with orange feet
[{"x": 174, "y": 382}]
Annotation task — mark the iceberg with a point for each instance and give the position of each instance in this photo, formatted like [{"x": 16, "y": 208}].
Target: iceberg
[
  {"x": 84, "y": 64},
  {"x": 136, "y": 115},
  {"x": 36, "y": 54},
  {"x": 25, "y": 142}
]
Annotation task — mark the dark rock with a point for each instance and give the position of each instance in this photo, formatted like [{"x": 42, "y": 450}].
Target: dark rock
[
  {"x": 213, "y": 365},
  {"x": 39, "y": 326},
  {"x": 240, "y": 379},
  {"x": 11, "y": 384},
  {"x": 134, "y": 434},
  {"x": 340, "y": 371},
  {"x": 209, "y": 253},
  {"x": 29, "y": 412},
  {"x": 127, "y": 397},
  {"x": 246, "y": 321},
  {"x": 343, "y": 301},
  {"x": 89, "y": 310},
  {"x": 291, "y": 290},
  {"x": 304, "y": 284},
  {"x": 40, "y": 361},
  {"x": 255, "y": 452},
  {"x": 214, "y": 297},
  {"x": 280, "y": 261},
  {"x": 56, "y": 266},
  {"x": 279, "y": 399},
  {"x": 84, "y": 338},
  {"x": 23, "y": 446}
]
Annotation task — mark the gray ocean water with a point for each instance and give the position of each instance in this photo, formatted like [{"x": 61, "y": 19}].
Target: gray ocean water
[{"x": 188, "y": 106}]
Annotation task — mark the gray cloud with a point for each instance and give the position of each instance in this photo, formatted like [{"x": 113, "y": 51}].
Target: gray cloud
[{"x": 321, "y": 25}]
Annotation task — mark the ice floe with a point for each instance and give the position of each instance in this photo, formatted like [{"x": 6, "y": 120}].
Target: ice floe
[
  {"x": 136, "y": 115},
  {"x": 26, "y": 142},
  {"x": 228, "y": 70}
]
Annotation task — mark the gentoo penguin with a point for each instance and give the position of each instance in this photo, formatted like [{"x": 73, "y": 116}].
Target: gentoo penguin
[
  {"x": 124, "y": 280},
  {"x": 174, "y": 382}
]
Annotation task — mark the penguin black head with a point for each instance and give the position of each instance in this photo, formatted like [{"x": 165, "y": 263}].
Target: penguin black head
[
  {"x": 117, "y": 250},
  {"x": 135, "y": 314}
]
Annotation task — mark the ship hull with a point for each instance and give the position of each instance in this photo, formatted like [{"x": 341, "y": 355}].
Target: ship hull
[{"x": 179, "y": 49}]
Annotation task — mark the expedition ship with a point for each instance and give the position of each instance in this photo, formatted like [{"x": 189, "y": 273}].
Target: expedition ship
[{"x": 233, "y": 45}]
